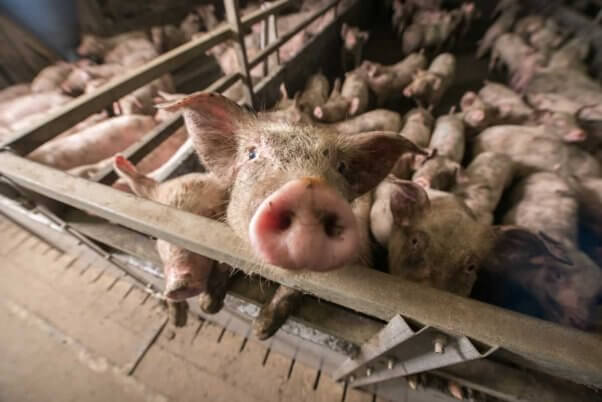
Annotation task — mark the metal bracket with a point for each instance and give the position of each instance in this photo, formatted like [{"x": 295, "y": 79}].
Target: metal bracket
[{"x": 398, "y": 350}]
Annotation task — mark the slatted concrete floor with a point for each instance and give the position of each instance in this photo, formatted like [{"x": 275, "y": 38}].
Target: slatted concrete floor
[{"x": 73, "y": 329}]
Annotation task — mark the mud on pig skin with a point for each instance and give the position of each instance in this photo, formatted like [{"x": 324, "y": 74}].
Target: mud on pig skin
[
  {"x": 533, "y": 151},
  {"x": 278, "y": 171},
  {"x": 94, "y": 143},
  {"x": 187, "y": 274}
]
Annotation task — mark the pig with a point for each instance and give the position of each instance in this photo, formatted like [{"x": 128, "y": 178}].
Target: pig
[
  {"x": 532, "y": 150},
  {"x": 14, "y": 91},
  {"x": 528, "y": 25},
  {"x": 484, "y": 181},
  {"x": 167, "y": 37},
  {"x": 402, "y": 14},
  {"x": 448, "y": 137},
  {"x": 132, "y": 52},
  {"x": 94, "y": 143},
  {"x": 374, "y": 120},
  {"x": 548, "y": 37},
  {"x": 560, "y": 125},
  {"x": 336, "y": 107},
  {"x": 437, "y": 241},
  {"x": 521, "y": 60},
  {"x": 315, "y": 93},
  {"x": 51, "y": 77},
  {"x": 19, "y": 108},
  {"x": 437, "y": 172},
  {"x": 571, "y": 84},
  {"x": 187, "y": 274},
  {"x": 96, "y": 47},
  {"x": 553, "y": 102},
  {"x": 428, "y": 87},
  {"x": 502, "y": 25},
  {"x": 476, "y": 114},
  {"x": 571, "y": 55},
  {"x": 355, "y": 88},
  {"x": 354, "y": 41},
  {"x": 76, "y": 82},
  {"x": 141, "y": 100},
  {"x": 277, "y": 171},
  {"x": 511, "y": 109},
  {"x": 567, "y": 293},
  {"x": 388, "y": 81},
  {"x": 418, "y": 127},
  {"x": 412, "y": 39}
]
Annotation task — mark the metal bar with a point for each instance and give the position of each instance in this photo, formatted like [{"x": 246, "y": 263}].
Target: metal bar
[
  {"x": 263, "y": 40},
  {"x": 233, "y": 18},
  {"x": 567, "y": 352},
  {"x": 273, "y": 34},
  {"x": 287, "y": 36},
  {"x": 83, "y": 106},
  {"x": 260, "y": 14}
]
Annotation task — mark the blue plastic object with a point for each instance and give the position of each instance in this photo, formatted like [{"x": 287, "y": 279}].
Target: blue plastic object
[{"x": 54, "y": 22}]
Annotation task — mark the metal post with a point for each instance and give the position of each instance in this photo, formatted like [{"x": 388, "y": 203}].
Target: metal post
[
  {"x": 233, "y": 17},
  {"x": 273, "y": 35},
  {"x": 264, "y": 40}
]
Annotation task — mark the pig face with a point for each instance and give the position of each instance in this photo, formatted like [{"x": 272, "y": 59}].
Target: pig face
[
  {"x": 353, "y": 37},
  {"x": 562, "y": 124},
  {"x": 436, "y": 242},
  {"x": 92, "y": 47},
  {"x": 290, "y": 184}
]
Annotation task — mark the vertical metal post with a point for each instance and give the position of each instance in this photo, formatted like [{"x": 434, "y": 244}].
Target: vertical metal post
[
  {"x": 264, "y": 40},
  {"x": 233, "y": 17},
  {"x": 273, "y": 36}
]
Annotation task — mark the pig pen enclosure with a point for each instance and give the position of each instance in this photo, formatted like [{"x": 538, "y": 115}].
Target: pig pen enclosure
[{"x": 373, "y": 330}]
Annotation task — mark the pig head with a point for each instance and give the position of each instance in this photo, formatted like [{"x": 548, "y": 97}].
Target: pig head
[
  {"x": 437, "y": 241},
  {"x": 291, "y": 184}
]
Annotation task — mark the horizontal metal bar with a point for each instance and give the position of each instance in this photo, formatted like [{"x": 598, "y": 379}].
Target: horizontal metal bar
[
  {"x": 287, "y": 36},
  {"x": 570, "y": 353},
  {"x": 259, "y": 14}
]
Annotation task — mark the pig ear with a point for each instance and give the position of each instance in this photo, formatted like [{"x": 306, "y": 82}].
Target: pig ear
[
  {"x": 140, "y": 184},
  {"x": 514, "y": 244},
  {"x": 344, "y": 29},
  {"x": 365, "y": 35},
  {"x": 408, "y": 203},
  {"x": 371, "y": 156},
  {"x": 212, "y": 121}
]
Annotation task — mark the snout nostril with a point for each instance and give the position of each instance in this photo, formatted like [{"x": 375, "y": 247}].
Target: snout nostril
[
  {"x": 285, "y": 220},
  {"x": 331, "y": 225}
]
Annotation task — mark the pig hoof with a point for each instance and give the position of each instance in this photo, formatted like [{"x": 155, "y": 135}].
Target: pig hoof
[
  {"x": 210, "y": 304},
  {"x": 177, "y": 313}
]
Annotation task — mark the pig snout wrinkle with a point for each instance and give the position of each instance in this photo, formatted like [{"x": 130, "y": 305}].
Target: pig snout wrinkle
[{"x": 305, "y": 225}]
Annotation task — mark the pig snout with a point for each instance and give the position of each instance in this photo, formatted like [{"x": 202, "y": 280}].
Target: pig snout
[{"x": 305, "y": 225}]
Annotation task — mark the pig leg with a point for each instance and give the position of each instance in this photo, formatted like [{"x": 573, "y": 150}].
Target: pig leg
[
  {"x": 212, "y": 300},
  {"x": 177, "y": 312},
  {"x": 275, "y": 312}
]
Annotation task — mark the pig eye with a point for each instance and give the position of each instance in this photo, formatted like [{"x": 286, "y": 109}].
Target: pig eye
[
  {"x": 252, "y": 153},
  {"x": 342, "y": 167},
  {"x": 471, "y": 268}
]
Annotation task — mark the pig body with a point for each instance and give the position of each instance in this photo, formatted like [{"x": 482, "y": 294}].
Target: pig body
[
  {"x": 141, "y": 101},
  {"x": 315, "y": 93},
  {"x": 437, "y": 172},
  {"x": 335, "y": 109},
  {"x": 167, "y": 37},
  {"x": 510, "y": 106},
  {"x": 31, "y": 104},
  {"x": 354, "y": 41},
  {"x": 428, "y": 87},
  {"x": 534, "y": 152},
  {"x": 521, "y": 60},
  {"x": 94, "y": 143},
  {"x": 567, "y": 293},
  {"x": 449, "y": 138},
  {"x": 476, "y": 113},
  {"x": 418, "y": 127},
  {"x": 51, "y": 77},
  {"x": 186, "y": 274},
  {"x": 485, "y": 179},
  {"x": 388, "y": 82},
  {"x": 501, "y": 26},
  {"x": 76, "y": 82},
  {"x": 277, "y": 171},
  {"x": 571, "y": 55},
  {"x": 13, "y": 92},
  {"x": 374, "y": 120},
  {"x": 355, "y": 88},
  {"x": 97, "y": 47}
]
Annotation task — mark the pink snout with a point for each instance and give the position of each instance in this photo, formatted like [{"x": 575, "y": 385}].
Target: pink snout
[
  {"x": 184, "y": 280},
  {"x": 305, "y": 225}
]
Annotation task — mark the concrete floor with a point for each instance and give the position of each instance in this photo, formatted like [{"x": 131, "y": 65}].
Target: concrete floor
[{"x": 73, "y": 330}]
